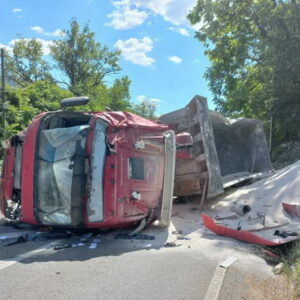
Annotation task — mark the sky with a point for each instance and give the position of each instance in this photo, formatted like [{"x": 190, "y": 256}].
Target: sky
[{"x": 160, "y": 54}]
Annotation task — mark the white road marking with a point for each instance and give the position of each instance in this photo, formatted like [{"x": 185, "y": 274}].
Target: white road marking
[
  {"x": 215, "y": 285},
  {"x": 228, "y": 262},
  {"x": 8, "y": 262}
]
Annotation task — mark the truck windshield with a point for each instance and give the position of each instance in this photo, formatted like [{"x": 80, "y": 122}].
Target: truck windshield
[{"x": 61, "y": 175}]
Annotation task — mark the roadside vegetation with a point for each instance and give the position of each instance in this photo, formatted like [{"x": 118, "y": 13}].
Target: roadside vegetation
[
  {"x": 254, "y": 47},
  {"x": 291, "y": 268}
]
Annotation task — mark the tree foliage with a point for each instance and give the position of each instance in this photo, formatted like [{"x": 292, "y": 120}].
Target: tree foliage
[
  {"x": 254, "y": 51},
  {"x": 146, "y": 109},
  {"x": 26, "y": 63},
  {"x": 83, "y": 62},
  {"x": 119, "y": 95},
  {"x": 24, "y": 103}
]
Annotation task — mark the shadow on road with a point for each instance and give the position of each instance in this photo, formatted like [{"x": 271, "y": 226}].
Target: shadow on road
[{"x": 186, "y": 224}]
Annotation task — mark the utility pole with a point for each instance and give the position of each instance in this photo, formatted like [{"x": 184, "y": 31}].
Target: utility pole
[{"x": 3, "y": 93}]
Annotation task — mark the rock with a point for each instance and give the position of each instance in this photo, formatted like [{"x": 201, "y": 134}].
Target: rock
[{"x": 278, "y": 269}]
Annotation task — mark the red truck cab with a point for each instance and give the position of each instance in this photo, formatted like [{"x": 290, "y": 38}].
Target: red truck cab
[{"x": 100, "y": 170}]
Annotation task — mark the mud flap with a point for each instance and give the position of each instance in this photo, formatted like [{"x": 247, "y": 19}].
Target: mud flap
[{"x": 167, "y": 199}]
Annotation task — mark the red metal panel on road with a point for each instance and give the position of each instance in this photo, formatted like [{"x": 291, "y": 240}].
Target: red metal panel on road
[{"x": 241, "y": 235}]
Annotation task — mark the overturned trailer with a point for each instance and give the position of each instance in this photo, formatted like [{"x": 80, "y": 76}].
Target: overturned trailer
[
  {"x": 101, "y": 170},
  {"x": 224, "y": 152}
]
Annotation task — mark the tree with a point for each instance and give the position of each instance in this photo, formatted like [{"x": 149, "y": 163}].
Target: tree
[
  {"x": 146, "y": 109},
  {"x": 119, "y": 94},
  {"x": 83, "y": 62},
  {"x": 26, "y": 102},
  {"x": 254, "y": 49},
  {"x": 26, "y": 64}
]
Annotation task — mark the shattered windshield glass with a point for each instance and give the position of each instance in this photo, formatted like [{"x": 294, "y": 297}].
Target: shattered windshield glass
[{"x": 61, "y": 175}]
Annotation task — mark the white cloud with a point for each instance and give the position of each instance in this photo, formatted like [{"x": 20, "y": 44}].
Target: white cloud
[
  {"x": 175, "y": 59},
  {"x": 180, "y": 30},
  {"x": 198, "y": 26},
  {"x": 6, "y": 48},
  {"x": 42, "y": 31},
  {"x": 173, "y": 11},
  {"x": 45, "y": 44},
  {"x": 16, "y": 10},
  {"x": 135, "y": 50},
  {"x": 125, "y": 16},
  {"x": 145, "y": 99},
  {"x": 130, "y": 13}
]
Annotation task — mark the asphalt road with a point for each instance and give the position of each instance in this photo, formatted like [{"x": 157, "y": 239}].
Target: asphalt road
[{"x": 132, "y": 269}]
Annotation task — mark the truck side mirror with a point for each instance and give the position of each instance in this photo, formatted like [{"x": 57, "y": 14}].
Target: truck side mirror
[{"x": 74, "y": 101}]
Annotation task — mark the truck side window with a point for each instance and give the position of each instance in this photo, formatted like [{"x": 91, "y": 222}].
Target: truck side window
[{"x": 136, "y": 168}]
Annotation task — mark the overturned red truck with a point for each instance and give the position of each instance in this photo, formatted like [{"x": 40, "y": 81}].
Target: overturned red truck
[
  {"x": 113, "y": 169},
  {"x": 97, "y": 170}
]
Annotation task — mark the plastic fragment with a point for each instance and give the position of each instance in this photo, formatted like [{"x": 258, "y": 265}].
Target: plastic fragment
[
  {"x": 86, "y": 237},
  {"x": 62, "y": 246},
  {"x": 93, "y": 246},
  {"x": 185, "y": 238},
  {"x": 171, "y": 244}
]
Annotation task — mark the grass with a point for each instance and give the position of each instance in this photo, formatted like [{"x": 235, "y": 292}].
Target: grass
[{"x": 291, "y": 269}]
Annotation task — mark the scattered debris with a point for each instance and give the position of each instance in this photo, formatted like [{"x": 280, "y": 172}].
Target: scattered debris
[
  {"x": 170, "y": 244},
  {"x": 93, "y": 245},
  {"x": 22, "y": 237},
  {"x": 182, "y": 237},
  {"x": 62, "y": 246},
  {"x": 85, "y": 237},
  {"x": 241, "y": 210},
  {"x": 285, "y": 234},
  {"x": 177, "y": 232}
]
